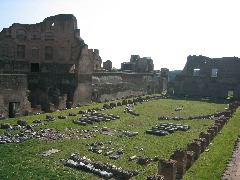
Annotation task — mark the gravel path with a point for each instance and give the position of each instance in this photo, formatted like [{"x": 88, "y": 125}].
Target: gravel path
[{"x": 232, "y": 171}]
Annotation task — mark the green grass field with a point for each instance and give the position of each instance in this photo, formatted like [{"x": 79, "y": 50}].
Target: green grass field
[{"x": 23, "y": 161}]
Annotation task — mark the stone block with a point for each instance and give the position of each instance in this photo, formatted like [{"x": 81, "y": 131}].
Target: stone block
[
  {"x": 215, "y": 128},
  {"x": 168, "y": 168},
  {"x": 195, "y": 146},
  {"x": 227, "y": 113},
  {"x": 181, "y": 157},
  {"x": 212, "y": 132},
  {"x": 220, "y": 126},
  {"x": 206, "y": 136},
  {"x": 203, "y": 142},
  {"x": 190, "y": 159}
]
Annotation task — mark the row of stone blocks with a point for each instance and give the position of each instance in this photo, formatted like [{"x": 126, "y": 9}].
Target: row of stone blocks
[{"x": 181, "y": 160}]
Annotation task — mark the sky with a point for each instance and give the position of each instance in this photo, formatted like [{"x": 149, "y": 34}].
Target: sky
[{"x": 165, "y": 30}]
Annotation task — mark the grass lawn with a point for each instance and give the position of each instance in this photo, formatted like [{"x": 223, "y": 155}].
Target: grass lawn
[{"x": 23, "y": 161}]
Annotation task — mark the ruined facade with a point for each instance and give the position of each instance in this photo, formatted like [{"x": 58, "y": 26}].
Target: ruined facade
[
  {"x": 209, "y": 77},
  {"x": 138, "y": 64},
  {"x": 53, "y": 60},
  {"x": 47, "y": 66}
]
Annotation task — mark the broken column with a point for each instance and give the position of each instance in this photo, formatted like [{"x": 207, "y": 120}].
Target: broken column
[{"x": 168, "y": 168}]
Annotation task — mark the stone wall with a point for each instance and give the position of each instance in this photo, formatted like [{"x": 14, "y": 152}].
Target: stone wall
[
  {"x": 49, "y": 41},
  {"x": 46, "y": 88},
  {"x": 56, "y": 61},
  {"x": 13, "y": 95},
  {"x": 118, "y": 84},
  {"x": 206, "y": 77}
]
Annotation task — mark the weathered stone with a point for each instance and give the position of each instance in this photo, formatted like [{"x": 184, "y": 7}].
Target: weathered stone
[
  {"x": 207, "y": 77},
  {"x": 5, "y": 126},
  {"x": 190, "y": 159},
  {"x": 206, "y": 136},
  {"x": 212, "y": 132},
  {"x": 50, "y": 152},
  {"x": 180, "y": 156},
  {"x": 168, "y": 169},
  {"x": 143, "y": 160},
  {"x": 22, "y": 123},
  {"x": 155, "y": 177},
  {"x": 195, "y": 146},
  {"x": 203, "y": 142}
]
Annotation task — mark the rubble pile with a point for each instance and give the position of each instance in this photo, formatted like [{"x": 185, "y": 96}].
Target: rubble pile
[
  {"x": 167, "y": 128},
  {"x": 197, "y": 117},
  {"x": 103, "y": 148},
  {"x": 102, "y": 170},
  {"x": 95, "y": 117},
  {"x": 130, "y": 111},
  {"x": 19, "y": 134}
]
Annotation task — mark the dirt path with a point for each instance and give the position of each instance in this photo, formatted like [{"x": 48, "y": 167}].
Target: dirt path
[{"x": 233, "y": 168}]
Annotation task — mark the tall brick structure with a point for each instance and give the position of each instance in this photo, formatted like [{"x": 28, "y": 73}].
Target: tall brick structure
[{"x": 54, "y": 59}]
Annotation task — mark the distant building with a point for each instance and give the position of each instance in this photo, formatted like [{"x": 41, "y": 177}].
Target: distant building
[
  {"x": 107, "y": 65},
  {"x": 209, "y": 77},
  {"x": 138, "y": 64}
]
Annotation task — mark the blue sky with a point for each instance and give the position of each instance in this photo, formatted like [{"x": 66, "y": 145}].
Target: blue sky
[{"x": 166, "y": 30}]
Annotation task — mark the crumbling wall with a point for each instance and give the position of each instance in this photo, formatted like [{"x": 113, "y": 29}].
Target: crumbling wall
[
  {"x": 83, "y": 91},
  {"x": 13, "y": 90},
  {"x": 206, "y": 77},
  {"x": 137, "y": 64},
  {"x": 57, "y": 62},
  {"x": 117, "y": 85},
  {"x": 48, "y": 88}
]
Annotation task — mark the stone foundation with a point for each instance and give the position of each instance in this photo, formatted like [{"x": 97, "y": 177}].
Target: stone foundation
[{"x": 168, "y": 168}]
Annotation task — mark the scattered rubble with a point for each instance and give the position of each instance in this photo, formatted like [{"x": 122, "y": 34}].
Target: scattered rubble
[
  {"x": 50, "y": 152},
  {"x": 103, "y": 148},
  {"x": 102, "y": 170},
  {"x": 167, "y": 128},
  {"x": 155, "y": 177},
  {"x": 50, "y": 118},
  {"x": 130, "y": 111},
  {"x": 179, "y": 108},
  {"x": 19, "y": 134},
  {"x": 117, "y": 154},
  {"x": 197, "y": 117},
  {"x": 95, "y": 117}
]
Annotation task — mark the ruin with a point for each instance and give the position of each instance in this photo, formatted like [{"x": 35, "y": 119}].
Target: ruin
[
  {"x": 107, "y": 65},
  {"x": 48, "y": 66},
  {"x": 209, "y": 77},
  {"x": 137, "y": 64},
  {"x": 47, "y": 62}
]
